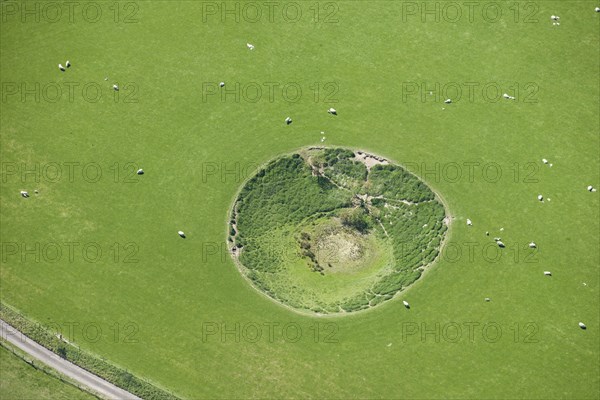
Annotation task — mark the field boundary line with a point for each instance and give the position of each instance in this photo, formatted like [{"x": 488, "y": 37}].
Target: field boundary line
[{"x": 62, "y": 366}]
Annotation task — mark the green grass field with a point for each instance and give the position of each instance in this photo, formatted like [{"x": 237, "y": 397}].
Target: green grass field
[
  {"x": 183, "y": 298},
  {"x": 22, "y": 381}
]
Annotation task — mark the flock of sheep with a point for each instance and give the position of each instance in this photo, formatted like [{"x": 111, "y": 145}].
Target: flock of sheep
[
  {"x": 532, "y": 245},
  {"x": 333, "y": 111}
]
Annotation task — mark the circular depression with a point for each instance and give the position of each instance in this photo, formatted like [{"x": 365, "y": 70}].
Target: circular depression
[{"x": 333, "y": 230}]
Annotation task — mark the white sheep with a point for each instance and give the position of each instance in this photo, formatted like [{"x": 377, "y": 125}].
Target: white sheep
[
  {"x": 469, "y": 222},
  {"x": 221, "y": 84},
  {"x": 332, "y": 111},
  {"x": 544, "y": 161},
  {"x": 405, "y": 303},
  {"x": 288, "y": 120},
  {"x": 68, "y": 64},
  {"x": 250, "y": 46},
  {"x": 582, "y": 325},
  {"x": 61, "y": 67},
  {"x": 140, "y": 171},
  {"x": 487, "y": 299},
  {"x": 547, "y": 273},
  {"x": 532, "y": 245},
  {"x": 180, "y": 233},
  {"x": 116, "y": 87},
  {"x": 24, "y": 194},
  {"x": 597, "y": 9},
  {"x": 448, "y": 101},
  {"x": 540, "y": 197},
  {"x": 554, "y": 17},
  {"x": 500, "y": 244}
]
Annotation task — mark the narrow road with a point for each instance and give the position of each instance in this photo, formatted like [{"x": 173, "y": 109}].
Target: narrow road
[{"x": 95, "y": 383}]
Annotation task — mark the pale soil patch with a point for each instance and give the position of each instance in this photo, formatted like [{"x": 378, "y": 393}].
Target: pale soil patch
[
  {"x": 369, "y": 160},
  {"x": 339, "y": 247}
]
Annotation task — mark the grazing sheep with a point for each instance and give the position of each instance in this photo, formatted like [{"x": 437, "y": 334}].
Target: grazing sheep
[
  {"x": 405, "y": 303},
  {"x": 554, "y": 17},
  {"x": 547, "y": 273},
  {"x": 591, "y": 188},
  {"x": 68, "y": 64},
  {"x": 24, "y": 194},
  {"x": 487, "y": 233},
  {"x": 448, "y": 101},
  {"x": 140, "y": 171},
  {"x": 582, "y": 325},
  {"x": 180, "y": 233},
  {"x": 322, "y": 140},
  {"x": 221, "y": 84},
  {"x": 250, "y": 46},
  {"x": 597, "y": 9},
  {"x": 332, "y": 111},
  {"x": 487, "y": 299},
  {"x": 497, "y": 239},
  {"x": 544, "y": 161},
  {"x": 532, "y": 245},
  {"x": 500, "y": 244},
  {"x": 540, "y": 197},
  {"x": 469, "y": 223},
  {"x": 116, "y": 87},
  {"x": 288, "y": 120},
  {"x": 61, "y": 68}
]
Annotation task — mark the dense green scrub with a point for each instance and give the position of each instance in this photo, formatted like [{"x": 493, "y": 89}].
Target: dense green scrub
[{"x": 364, "y": 232}]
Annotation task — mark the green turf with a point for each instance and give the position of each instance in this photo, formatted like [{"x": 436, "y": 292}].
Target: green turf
[
  {"x": 21, "y": 381},
  {"x": 178, "y": 287}
]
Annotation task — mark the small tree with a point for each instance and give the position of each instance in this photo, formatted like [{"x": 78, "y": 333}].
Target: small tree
[
  {"x": 62, "y": 351},
  {"x": 356, "y": 219}
]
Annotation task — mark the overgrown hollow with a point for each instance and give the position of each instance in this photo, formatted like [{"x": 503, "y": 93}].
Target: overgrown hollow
[{"x": 331, "y": 230}]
